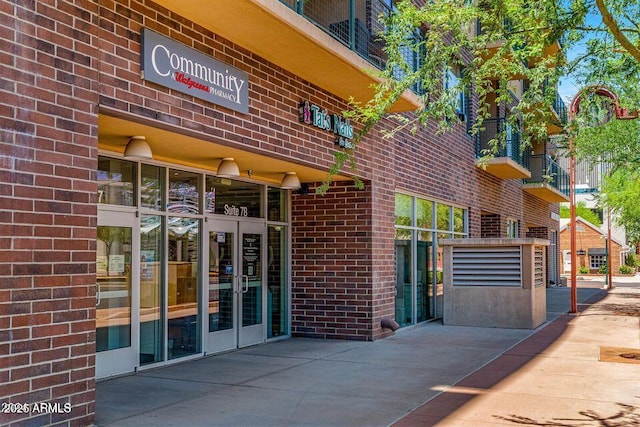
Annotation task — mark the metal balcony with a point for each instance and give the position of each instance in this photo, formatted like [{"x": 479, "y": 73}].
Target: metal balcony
[
  {"x": 332, "y": 45},
  {"x": 509, "y": 161},
  {"x": 561, "y": 112},
  {"x": 548, "y": 180},
  {"x": 357, "y": 25}
]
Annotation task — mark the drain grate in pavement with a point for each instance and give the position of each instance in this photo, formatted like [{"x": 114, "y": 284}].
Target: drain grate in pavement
[{"x": 621, "y": 355}]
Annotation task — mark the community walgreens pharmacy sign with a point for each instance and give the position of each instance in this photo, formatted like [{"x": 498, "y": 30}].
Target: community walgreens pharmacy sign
[{"x": 176, "y": 66}]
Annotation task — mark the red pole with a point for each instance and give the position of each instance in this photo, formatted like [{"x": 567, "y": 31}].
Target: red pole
[
  {"x": 572, "y": 222},
  {"x": 573, "y": 111},
  {"x": 609, "y": 272}
]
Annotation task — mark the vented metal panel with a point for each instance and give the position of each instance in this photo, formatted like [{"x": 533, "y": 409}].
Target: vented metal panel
[
  {"x": 487, "y": 266},
  {"x": 538, "y": 265}
]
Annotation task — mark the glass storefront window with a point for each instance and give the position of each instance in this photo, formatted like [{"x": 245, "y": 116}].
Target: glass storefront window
[
  {"x": 459, "y": 225},
  {"x": 113, "y": 271},
  {"x": 152, "y": 186},
  {"x": 424, "y": 212},
  {"x": 277, "y": 204},
  {"x": 184, "y": 314},
  {"x": 169, "y": 263},
  {"x": 277, "y": 293},
  {"x": 233, "y": 198},
  {"x": 424, "y": 276},
  {"x": 404, "y": 277},
  {"x": 184, "y": 192},
  {"x": 404, "y": 209},
  {"x": 251, "y": 250},
  {"x": 443, "y": 217},
  {"x": 116, "y": 182},
  {"x": 221, "y": 280},
  {"x": 418, "y": 258},
  {"x": 151, "y": 288}
]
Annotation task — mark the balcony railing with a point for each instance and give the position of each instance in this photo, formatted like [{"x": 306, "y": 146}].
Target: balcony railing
[
  {"x": 546, "y": 170},
  {"x": 560, "y": 108},
  {"x": 354, "y": 23},
  {"x": 357, "y": 25},
  {"x": 512, "y": 146}
]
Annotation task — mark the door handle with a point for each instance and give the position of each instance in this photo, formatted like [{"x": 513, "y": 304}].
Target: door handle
[
  {"x": 243, "y": 284},
  {"x": 246, "y": 284},
  {"x": 98, "y": 294}
]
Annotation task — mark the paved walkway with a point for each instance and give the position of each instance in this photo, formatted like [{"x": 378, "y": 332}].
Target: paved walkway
[{"x": 428, "y": 375}]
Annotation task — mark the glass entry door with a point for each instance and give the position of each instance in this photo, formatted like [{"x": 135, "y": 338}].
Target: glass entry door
[
  {"x": 234, "y": 284},
  {"x": 115, "y": 294}
]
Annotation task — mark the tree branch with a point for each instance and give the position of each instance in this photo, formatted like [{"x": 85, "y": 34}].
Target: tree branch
[{"x": 611, "y": 23}]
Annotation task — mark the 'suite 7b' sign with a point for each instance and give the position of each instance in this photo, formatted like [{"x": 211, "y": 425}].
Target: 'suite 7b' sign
[{"x": 176, "y": 66}]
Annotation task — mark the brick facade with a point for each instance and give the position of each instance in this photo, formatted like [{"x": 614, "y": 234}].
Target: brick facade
[
  {"x": 587, "y": 237},
  {"x": 66, "y": 64},
  {"x": 331, "y": 263},
  {"x": 48, "y": 117},
  {"x": 491, "y": 226}
]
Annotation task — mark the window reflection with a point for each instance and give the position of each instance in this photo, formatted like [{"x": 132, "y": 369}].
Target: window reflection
[
  {"x": 116, "y": 182},
  {"x": 151, "y": 289},
  {"x": 459, "y": 225},
  {"x": 277, "y": 201},
  {"x": 113, "y": 305},
  {"x": 424, "y": 213},
  {"x": 221, "y": 279},
  {"x": 403, "y": 210},
  {"x": 184, "y": 192},
  {"x": 404, "y": 300},
  {"x": 444, "y": 217},
  {"x": 182, "y": 290},
  {"x": 152, "y": 187},
  {"x": 277, "y": 298},
  {"x": 233, "y": 198},
  {"x": 424, "y": 275},
  {"x": 418, "y": 258}
]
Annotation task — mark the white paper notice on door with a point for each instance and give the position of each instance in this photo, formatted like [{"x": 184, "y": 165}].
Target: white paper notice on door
[{"x": 116, "y": 264}]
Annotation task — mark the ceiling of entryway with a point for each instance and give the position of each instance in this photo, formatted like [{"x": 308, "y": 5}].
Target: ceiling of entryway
[{"x": 193, "y": 152}]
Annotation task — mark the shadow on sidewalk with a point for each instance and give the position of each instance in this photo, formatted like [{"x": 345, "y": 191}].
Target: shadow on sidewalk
[
  {"x": 626, "y": 309},
  {"x": 627, "y": 416},
  {"x": 481, "y": 381},
  {"x": 477, "y": 383}
]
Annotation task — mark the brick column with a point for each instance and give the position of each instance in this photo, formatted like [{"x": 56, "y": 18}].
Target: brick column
[
  {"x": 331, "y": 291},
  {"x": 48, "y": 156}
]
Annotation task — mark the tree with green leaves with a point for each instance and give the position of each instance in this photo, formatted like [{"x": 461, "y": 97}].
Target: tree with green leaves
[
  {"x": 495, "y": 42},
  {"x": 583, "y": 212},
  {"x": 612, "y": 60}
]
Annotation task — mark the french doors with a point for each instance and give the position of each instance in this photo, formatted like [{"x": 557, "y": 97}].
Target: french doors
[{"x": 234, "y": 284}]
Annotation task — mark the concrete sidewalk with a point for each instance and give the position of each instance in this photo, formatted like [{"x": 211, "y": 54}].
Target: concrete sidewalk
[{"x": 428, "y": 375}]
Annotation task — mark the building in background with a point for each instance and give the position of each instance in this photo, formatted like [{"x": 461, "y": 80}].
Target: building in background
[
  {"x": 592, "y": 248},
  {"x": 159, "y": 166},
  {"x": 588, "y": 183}
]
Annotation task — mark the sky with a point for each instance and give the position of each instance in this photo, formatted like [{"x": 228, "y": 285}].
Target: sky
[{"x": 568, "y": 87}]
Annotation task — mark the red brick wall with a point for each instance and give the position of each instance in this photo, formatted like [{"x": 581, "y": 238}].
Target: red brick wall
[
  {"x": 587, "y": 237},
  {"x": 47, "y": 209},
  {"x": 490, "y": 226},
  {"x": 331, "y": 263}
]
